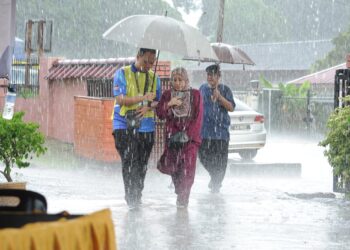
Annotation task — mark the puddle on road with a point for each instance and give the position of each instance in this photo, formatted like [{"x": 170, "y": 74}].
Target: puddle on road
[{"x": 251, "y": 212}]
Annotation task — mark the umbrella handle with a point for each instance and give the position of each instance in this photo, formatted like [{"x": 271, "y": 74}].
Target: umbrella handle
[{"x": 155, "y": 70}]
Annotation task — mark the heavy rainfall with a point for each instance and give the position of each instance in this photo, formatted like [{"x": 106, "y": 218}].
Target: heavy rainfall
[{"x": 286, "y": 64}]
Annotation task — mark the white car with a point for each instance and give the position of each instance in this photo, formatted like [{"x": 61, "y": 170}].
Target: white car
[{"x": 247, "y": 131}]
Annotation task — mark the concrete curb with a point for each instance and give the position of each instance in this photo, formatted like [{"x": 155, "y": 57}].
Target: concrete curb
[{"x": 252, "y": 169}]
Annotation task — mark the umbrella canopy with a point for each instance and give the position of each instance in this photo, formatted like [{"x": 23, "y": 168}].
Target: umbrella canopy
[
  {"x": 161, "y": 33},
  {"x": 227, "y": 53},
  {"x": 230, "y": 54}
]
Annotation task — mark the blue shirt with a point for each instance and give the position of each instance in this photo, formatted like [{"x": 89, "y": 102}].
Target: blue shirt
[
  {"x": 216, "y": 120},
  {"x": 119, "y": 88}
]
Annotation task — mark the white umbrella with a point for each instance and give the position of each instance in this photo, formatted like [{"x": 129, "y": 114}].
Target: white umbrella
[
  {"x": 161, "y": 33},
  {"x": 227, "y": 53}
]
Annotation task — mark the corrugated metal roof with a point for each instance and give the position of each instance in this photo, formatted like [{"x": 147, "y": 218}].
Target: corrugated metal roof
[
  {"x": 323, "y": 76},
  {"x": 96, "y": 68}
]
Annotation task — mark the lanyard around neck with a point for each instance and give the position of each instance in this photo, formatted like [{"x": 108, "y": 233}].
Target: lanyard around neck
[{"x": 137, "y": 83}]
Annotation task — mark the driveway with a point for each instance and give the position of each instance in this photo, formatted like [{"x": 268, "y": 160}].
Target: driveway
[{"x": 251, "y": 212}]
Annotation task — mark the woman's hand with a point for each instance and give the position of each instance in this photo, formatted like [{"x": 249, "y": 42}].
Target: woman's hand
[
  {"x": 141, "y": 111},
  {"x": 216, "y": 94},
  {"x": 175, "y": 101},
  {"x": 149, "y": 96}
]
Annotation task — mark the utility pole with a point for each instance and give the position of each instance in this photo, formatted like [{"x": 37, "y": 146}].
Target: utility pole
[
  {"x": 220, "y": 21},
  {"x": 28, "y": 49}
]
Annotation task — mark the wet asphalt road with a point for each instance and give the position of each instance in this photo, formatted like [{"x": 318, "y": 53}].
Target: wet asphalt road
[{"x": 251, "y": 212}]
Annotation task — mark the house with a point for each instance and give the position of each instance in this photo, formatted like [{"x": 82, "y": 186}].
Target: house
[
  {"x": 75, "y": 103},
  {"x": 322, "y": 82}
]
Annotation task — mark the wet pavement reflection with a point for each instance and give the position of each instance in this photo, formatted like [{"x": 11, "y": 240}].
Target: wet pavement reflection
[{"x": 250, "y": 212}]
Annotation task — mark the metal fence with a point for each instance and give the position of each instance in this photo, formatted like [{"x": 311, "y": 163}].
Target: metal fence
[
  {"x": 100, "y": 87},
  {"x": 104, "y": 87},
  {"x": 25, "y": 77},
  {"x": 299, "y": 115},
  {"x": 341, "y": 89},
  {"x": 160, "y": 129}
]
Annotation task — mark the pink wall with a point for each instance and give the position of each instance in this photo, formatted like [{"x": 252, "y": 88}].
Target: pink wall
[
  {"x": 36, "y": 108},
  {"x": 93, "y": 128},
  {"x": 53, "y": 109},
  {"x": 61, "y": 107}
]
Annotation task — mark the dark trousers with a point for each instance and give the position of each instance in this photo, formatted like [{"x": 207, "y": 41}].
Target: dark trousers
[
  {"x": 213, "y": 154},
  {"x": 134, "y": 149}
]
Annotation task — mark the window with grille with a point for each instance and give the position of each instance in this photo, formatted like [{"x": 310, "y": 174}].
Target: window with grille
[{"x": 100, "y": 87}]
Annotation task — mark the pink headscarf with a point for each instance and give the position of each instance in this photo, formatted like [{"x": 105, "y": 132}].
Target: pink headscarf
[{"x": 184, "y": 110}]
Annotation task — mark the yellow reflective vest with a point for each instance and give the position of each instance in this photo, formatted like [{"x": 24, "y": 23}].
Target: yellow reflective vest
[{"x": 132, "y": 79}]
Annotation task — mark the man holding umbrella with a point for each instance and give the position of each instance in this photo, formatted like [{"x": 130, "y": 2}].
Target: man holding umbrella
[
  {"x": 217, "y": 101},
  {"x": 135, "y": 88}
]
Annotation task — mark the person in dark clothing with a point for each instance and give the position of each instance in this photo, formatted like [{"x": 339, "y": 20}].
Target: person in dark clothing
[
  {"x": 135, "y": 87},
  {"x": 217, "y": 101}
]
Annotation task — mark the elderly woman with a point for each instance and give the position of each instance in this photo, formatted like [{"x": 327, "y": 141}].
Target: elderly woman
[{"x": 181, "y": 108}]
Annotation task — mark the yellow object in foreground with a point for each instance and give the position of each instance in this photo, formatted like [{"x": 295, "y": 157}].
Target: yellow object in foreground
[{"x": 90, "y": 232}]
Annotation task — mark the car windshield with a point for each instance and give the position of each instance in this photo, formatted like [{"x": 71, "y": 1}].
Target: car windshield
[{"x": 241, "y": 106}]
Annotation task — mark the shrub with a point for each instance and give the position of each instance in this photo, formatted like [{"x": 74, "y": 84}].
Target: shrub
[
  {"x": 337, "y": 141},
  {"x": 19, "y": 141}
]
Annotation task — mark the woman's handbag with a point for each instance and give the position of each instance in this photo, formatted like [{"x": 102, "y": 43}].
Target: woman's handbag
[
  {"x": 167, "y": 163},
  {"x": 178, "y": 140},
  {"x": 132, "y": 119}
]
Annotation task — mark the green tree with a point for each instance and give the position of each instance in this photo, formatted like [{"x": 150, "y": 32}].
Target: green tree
[
  {"x": 338, "y": 54},
  {"x": 256, "y": 21},
  {"x": 18, "y": 142},
  {"x": 312, "y": 19},
  {"x": 79, "y": 25},
  {"x": 245, "y": 21},
  {"x": 186, "y": 4}
]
